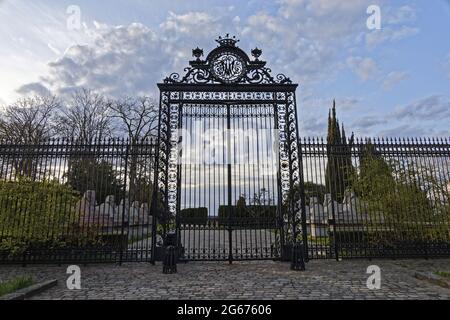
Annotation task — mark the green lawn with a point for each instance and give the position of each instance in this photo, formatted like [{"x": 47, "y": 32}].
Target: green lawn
[{"x": 14, "y": 285}]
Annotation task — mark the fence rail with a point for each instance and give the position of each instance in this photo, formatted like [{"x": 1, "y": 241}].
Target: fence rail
[{"x": 63, "y": 201}]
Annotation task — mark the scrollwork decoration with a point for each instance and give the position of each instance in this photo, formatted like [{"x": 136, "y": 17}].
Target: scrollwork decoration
[{"x": 227, "y": 64}]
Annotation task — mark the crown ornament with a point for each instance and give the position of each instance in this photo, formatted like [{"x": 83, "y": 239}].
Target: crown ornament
[{"x": 227, "y": 41}]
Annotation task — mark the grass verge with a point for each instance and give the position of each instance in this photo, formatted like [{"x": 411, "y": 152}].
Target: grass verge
[
  {"x": 443, "y": 274},
  {"x": 14, "y": 285}
]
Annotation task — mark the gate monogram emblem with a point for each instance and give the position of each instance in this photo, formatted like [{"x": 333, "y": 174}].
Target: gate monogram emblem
[{"x": 228, "y": 67}]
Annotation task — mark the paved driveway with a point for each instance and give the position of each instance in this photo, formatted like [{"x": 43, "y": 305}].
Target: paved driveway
[{"x": 325, "y": 279}]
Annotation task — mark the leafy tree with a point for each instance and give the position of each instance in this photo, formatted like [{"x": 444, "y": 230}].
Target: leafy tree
[
  {"x": 143, "y": 190},
  {"x": 241, "y": 203},
  {"x": 241, "y": 207},
  {"x": 394, "y": 195},
  {"x": 370, "y": 157}
]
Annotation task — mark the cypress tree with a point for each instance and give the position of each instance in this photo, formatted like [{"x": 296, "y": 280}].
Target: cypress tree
[{"x": 339, "y": 166}]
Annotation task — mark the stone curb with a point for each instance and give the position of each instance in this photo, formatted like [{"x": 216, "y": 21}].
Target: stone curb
[
  {"x": 30, "y": 291},
  {"x": 435, "y": 279}
]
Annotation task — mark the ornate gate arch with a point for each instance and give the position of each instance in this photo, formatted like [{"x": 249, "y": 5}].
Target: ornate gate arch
[{"x": 228, "y": 167}]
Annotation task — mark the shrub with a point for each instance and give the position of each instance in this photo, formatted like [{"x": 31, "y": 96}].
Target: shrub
[{"x": 34, "y": 214}]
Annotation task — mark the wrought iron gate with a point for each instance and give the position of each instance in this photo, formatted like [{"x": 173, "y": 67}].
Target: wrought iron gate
[{"x": 228, "y": 168}]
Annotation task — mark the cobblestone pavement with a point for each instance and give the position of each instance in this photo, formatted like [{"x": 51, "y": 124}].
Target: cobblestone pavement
[{"x": 325, "y": 279}]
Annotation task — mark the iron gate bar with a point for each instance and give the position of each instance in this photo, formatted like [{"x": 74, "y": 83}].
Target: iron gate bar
[{"x": 230, "y": 242}]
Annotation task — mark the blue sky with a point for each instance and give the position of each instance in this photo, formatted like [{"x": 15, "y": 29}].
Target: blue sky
[{"x": 389, "y": 82}]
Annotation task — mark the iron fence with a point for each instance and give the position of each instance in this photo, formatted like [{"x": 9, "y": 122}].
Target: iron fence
[
  {"x": 63, "y": 200},
  {"x": 377, "y": 198}
]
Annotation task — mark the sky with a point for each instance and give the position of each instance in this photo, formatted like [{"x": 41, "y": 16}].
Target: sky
[{"x": 394, "y": 81}]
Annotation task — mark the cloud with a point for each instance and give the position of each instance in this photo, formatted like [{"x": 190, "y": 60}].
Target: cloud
[
  {"x": 429, "y": 108},
  {"x": 308, "y": 37},
  {"x": 123, "y": 60},
  {"x": 394, "y": 78},
  {"x": 425, "y": 116},
  {"x": 364, "y": 68},
  {"x": 404, "y": 130},
  {"x": 34, "y": 88},
  {"x": 313, "y": 126},
  {"x": 403, "y": 14},
  {"x": 347, "y": 103},
  {"x": 302, "y": 39},
  {"x": 389, "y": 34},
  {"x": 368, "y": 122},
  {"x": 130, "y": 59}
]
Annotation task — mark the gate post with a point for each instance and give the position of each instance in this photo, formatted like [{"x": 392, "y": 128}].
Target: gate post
[{"x": 305, "y": 249}]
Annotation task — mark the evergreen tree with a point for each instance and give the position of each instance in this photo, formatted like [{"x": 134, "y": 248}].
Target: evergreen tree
[
  {"x": 339, "y": 168},
  {"x": 98, "y": 175}
]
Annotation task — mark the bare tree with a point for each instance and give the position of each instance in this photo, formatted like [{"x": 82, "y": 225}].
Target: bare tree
[
  {"x": 23, "y": 123},
  {"x": 137, "y": 119},
  {"x": 29, "y": 120},
  {"x": 85, "y": 117}
]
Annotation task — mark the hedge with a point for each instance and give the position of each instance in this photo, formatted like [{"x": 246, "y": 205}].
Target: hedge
[
  {"x": 253, "y": 216},
  {"x": 194, "y": 216}
]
